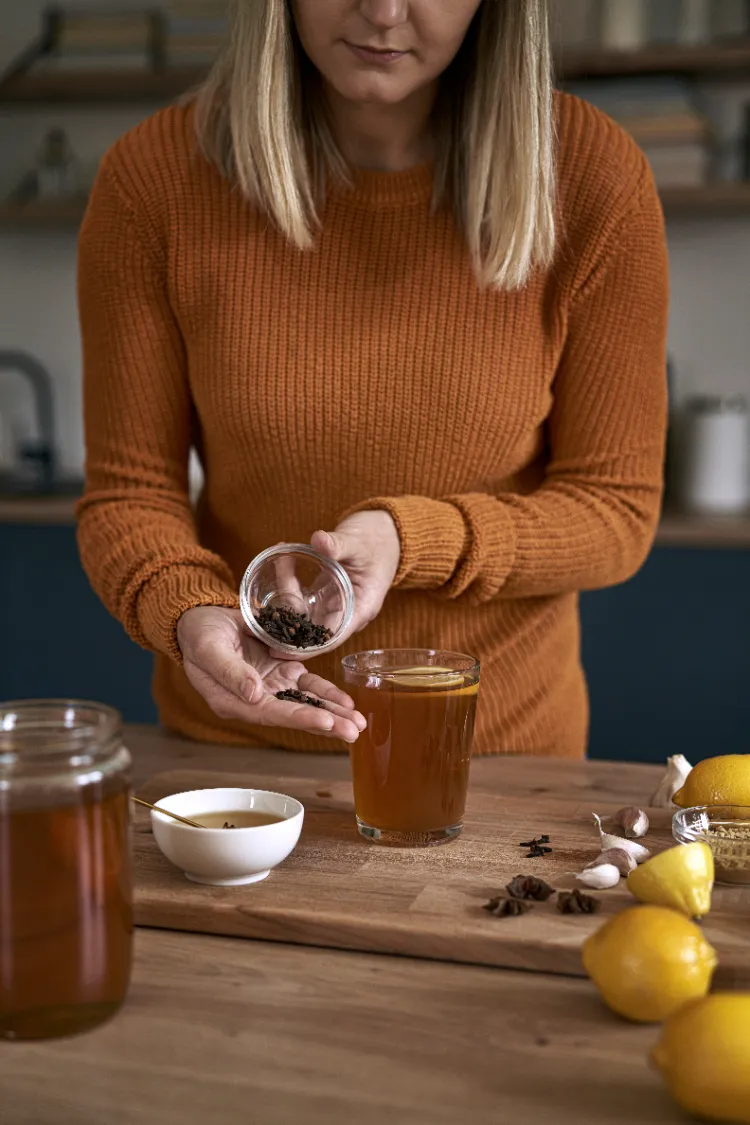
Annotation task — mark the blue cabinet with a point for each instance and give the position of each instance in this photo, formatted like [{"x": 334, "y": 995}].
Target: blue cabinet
[
  {"x": 667, "y": 655},
  {"x": 56, "y": 638}
]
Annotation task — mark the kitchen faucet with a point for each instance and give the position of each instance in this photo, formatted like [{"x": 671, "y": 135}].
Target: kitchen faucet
[{"x": 42, "y": 452}]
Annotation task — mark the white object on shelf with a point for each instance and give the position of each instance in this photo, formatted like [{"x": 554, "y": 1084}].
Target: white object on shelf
[
  {"x": 695, "y": 25},
  {"x": 730, "y": 19},
  {"x": 663, "y": 21},
  {"x": 623, "y": 24},
  {"x": 716, "y": 455}
]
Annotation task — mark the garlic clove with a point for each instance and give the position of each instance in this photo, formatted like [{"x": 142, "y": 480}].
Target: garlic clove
[
  {"x": 678, "y": 767},
  {"x": 633, "y": 821},
  {"x": 600, "y": 877},
  {"x": 638, "y": 852},
  {"x": 618, "y": 857}
]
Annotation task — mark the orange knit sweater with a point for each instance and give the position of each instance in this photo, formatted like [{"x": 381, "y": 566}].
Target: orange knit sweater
[{"x": 517, "y": 439}]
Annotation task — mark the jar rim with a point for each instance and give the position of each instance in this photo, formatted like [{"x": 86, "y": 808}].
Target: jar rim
[
  {"x": 352, "y": 662},
  {"x": 48, "y": 730},
  {"x": 335, "y": 568}
]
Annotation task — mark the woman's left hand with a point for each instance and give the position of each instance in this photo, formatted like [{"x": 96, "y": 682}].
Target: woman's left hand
[{"x": 367, "y": 545}]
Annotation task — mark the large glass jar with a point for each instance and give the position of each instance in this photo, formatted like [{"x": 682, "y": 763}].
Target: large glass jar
[{"x": 66, "y": 920}]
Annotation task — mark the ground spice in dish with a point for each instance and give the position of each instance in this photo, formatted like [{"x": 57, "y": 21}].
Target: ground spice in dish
[
  {"x": 292, "y": 695},
  {"x": 528, "y": 886},
  {"x": 507, "y": 907},
  {"x": 284, "y": 625},
  {"x": 576, "y": 902},
  {"x": 730, "y": 845}
]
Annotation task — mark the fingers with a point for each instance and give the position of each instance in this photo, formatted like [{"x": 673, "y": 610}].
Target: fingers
[
  {"x": 288, "y": 589},
  {"x": 324, "y": 689},
  {"x": 332, "y": 721},
  {"x": 328, "y": 544}
]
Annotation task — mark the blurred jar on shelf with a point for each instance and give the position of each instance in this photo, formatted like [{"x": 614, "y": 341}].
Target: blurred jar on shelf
[{"x": 714, "y": 476}]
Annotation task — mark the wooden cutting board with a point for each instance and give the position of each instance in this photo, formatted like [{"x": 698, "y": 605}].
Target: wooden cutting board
[{"x": 339, "y": 891}]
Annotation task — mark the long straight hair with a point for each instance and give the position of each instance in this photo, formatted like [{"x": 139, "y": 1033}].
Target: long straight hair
[{"x": 261, "y": 120}]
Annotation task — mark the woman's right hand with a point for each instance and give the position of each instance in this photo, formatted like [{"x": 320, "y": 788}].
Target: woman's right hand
[{"x": 239, "y": 678}]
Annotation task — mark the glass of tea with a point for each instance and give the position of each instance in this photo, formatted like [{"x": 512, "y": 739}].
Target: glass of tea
[
  {"x": 66, "y": 922},
  {"x": 410, "y": 767}
]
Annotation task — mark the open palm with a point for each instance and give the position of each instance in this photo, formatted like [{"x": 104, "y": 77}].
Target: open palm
[{"x": 239, "y": 678}]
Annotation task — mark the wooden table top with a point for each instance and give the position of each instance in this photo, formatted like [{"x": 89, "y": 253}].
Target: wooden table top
[{"x": 223, "y": 1030}]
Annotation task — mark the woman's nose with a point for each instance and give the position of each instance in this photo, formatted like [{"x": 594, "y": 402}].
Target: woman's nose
[{"x": 384, "y": 14}]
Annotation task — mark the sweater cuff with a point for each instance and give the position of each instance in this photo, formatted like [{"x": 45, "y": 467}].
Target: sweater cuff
[
  {"x": 433, "y": 537},
  {"x": 166, "y": 596}
]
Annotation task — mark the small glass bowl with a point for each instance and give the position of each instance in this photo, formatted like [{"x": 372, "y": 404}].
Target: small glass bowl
[
  {"x": 293, "y": 575},
  {"x": 726, "y": 830}
]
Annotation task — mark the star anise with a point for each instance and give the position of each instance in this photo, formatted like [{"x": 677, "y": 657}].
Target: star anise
[
  {"x": 503, "y": 907},
  {"x": 576, "y": 902},
  {"x": 528, "y": 886}
]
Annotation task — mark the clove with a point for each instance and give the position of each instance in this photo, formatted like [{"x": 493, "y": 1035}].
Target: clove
[
  {"x": 618, "y": 857},
  {"x": 633, "y": 821},
  {"x": 638, "y": 852},
  {"x": 601, "y": 876},
  {"x": 678, "y": 767}
]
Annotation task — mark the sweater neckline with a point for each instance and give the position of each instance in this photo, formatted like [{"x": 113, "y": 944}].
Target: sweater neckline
[{"x": 376, "y": 188}]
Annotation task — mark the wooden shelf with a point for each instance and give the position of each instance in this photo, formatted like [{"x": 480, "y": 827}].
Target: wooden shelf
[
  {"x": 109, "y": 85},
  {"x": 96, "y": 86},
  {"x": 713, "y": 199},
  {"x": 677, "y": 530},
  {"x": 42, "y": 510},
  {"x": 43, "y": 213},
  {"x": 708, "y": 58}
]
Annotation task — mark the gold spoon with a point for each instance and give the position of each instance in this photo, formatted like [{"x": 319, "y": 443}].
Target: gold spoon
[{"x": 182, "y": 819}]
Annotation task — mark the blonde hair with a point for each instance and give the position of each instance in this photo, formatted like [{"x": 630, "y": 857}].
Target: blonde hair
[{"x": 262, "y": 121}]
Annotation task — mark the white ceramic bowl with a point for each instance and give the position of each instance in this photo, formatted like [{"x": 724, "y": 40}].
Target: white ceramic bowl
[{"x": 226, "y": 857}]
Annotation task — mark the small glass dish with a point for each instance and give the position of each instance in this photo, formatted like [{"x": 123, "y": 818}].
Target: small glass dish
[
  {"x": 293, "y": 576},
  {"x": 726, "y": 830}
]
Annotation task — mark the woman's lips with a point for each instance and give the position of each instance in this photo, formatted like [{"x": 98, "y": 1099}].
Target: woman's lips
[{"x": 376, "y": 57}]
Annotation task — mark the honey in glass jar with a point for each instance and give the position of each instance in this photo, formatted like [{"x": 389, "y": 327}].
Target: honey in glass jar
[{"x": 66, "y": 922}]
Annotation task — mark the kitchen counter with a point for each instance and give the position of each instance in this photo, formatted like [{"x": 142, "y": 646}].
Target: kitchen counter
[
  {"x": 45, "y": 511},
  {"x": 675, "y": 529},
  {"x": 226, "y": 1030}
]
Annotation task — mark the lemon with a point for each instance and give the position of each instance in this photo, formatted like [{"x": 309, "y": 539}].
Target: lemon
[
  {"x": 648, "y": 961},
  {"x": 704, "y": 1057},
  {"x": 428, "y": 676},
  {"x": 716, "y": 781},
  {"x": 681, "y": 877}
]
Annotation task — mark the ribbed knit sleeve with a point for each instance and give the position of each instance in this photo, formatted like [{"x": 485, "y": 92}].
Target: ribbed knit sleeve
[
  {"x": 136, "y": 532},
  {"x": 592, "y": 521}
]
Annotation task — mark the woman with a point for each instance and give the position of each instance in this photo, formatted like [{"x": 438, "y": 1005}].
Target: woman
[{"x": 394, "y": 289}]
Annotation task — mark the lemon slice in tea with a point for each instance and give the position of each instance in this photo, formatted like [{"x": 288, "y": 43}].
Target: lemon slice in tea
[{"x": 427, "y": 676}]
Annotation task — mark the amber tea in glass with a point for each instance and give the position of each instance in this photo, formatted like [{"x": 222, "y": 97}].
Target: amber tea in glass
[
  {"x": 66, "y": 925},
  {"x": 410, "y": 767}
]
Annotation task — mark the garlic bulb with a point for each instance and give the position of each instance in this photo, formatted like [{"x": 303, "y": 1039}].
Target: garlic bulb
[
  {"x": 600, "y": 877},
  {"x": 678, "y": 767},
  {"x": 638, "y": 852},
  {"x": 618, "y": 857},
  {"x": 633, "y": 821}
]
